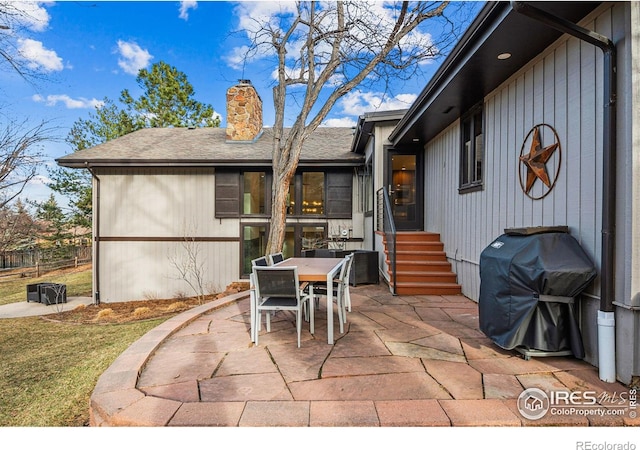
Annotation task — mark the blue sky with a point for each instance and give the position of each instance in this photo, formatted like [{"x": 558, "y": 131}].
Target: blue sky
[{"x": 88, "y": 50}]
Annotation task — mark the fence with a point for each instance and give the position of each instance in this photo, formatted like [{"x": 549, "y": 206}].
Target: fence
[{"x": 32, "y": 263}]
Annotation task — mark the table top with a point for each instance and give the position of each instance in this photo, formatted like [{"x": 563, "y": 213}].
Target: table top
[{"x": 313, "y": 269}]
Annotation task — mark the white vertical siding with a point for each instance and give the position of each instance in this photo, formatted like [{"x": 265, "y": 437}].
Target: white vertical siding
[{"x": 150, "y": 212}]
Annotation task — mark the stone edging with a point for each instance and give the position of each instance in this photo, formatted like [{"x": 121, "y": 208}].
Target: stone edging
[{"x": 116, "y": 388}]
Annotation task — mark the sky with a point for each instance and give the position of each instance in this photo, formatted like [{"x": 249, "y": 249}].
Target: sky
[{"x": 86, "y": 51}]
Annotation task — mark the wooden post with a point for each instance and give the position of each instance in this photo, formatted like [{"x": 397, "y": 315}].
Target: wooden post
[
  {"x": 37, "y": 270},
  {"x": 76, "y": 262}
]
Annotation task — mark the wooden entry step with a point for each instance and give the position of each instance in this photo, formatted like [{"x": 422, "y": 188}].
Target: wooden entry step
[{"x": 422, "y": 267}]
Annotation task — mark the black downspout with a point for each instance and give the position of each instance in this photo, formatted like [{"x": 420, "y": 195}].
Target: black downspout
[
  {"x": 607, "y": 290},
  {"x": 96, "y": 237},
  {"x": 606, "y": 314}
]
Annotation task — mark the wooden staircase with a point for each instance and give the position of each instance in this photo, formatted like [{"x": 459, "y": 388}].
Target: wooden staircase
[{"x": 421, "y": 265}]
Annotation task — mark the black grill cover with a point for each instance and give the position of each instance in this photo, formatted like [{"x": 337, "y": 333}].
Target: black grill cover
[{"x": 528, "y": 279}]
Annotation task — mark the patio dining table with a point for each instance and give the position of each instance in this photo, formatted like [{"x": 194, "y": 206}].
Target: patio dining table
[{"x": 318, "y": 270}]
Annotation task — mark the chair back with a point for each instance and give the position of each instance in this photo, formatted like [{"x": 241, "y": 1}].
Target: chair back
[
  {"x": 345, "y": 272},
  {"x": 276, "y": 281},
  {"x": 276, "y": 258},
  {"x": 262, "y": 261}
]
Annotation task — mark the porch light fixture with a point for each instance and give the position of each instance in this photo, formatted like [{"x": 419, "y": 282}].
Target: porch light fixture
[{"x": 505, "y": 55}]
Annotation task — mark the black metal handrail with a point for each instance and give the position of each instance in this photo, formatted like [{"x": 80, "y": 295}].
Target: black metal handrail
[{"x": 386, "y": 225}]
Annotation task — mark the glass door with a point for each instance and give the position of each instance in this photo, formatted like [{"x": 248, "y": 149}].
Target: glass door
[{"x": 404, "y": 183}]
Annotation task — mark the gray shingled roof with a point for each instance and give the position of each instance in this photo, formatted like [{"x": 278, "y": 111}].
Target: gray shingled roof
[{"x": 208, "y": 147}]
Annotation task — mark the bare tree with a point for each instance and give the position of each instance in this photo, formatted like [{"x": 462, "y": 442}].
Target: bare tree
[
  {"x": 326, "y": 49},
  {"x": 190, "y": 265},
  {"x": 20, "y": 155},
  {"x": 17, "y": 19}
]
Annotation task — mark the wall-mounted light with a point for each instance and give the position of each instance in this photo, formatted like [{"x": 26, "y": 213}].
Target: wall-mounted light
[{"x": 505, "y": 55}]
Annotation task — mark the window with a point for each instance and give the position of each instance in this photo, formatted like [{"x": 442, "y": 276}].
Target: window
[
  {"x": 313, "y": 193},
  {"x": 365, "y": 189},
  {"x": 254, "y": 193},
  {"x": 254, "y": 244},
  {"x": 319, "y": 194},
  {"x": 472, "y": 151}
]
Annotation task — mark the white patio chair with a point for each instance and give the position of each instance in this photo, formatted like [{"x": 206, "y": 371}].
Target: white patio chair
[
  {"x": 340, "y": 290},
  {"x": 262, "y": 261},
  {"x": 275, "y": 258},
  {"x": 278, "y": 289}
]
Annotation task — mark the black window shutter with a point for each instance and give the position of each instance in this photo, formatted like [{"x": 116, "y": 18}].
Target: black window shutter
[
  {"x": 339, "y": 193},
  {"x": 227, "y": 194}
]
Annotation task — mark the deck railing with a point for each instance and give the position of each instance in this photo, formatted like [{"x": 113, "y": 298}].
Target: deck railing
[{"x": 386, "y": 225}]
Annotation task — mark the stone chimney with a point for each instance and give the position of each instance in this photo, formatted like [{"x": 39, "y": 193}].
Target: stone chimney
[{"x": 244, "y": 113}]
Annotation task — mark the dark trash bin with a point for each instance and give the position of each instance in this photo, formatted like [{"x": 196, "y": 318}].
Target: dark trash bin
[
  {"x": 529, "y": 279},
  {"x": 47, "y": 293}
]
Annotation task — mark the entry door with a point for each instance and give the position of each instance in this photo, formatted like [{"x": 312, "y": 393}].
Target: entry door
[{"x": 404, "y": 180}]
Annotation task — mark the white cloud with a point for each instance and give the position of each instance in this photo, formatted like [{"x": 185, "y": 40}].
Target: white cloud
[
  {"x": 29, "y": 14},
  {"x": 339, "y": 122},
  {"x": 185, "y": 6},
  {"x": 238, "y": 57},
  {"x": 132, "y": 57},
  {"x": 39, "y": 57},
  {"x": 70, "y": 103},
  {"x": 356, "y": 103}
]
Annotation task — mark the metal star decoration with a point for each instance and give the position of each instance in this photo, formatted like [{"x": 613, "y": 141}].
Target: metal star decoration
[{"x": 536, "y": 161}]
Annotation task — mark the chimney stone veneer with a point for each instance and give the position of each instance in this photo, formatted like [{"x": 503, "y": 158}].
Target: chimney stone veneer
[{"x": 244, "y": 112}]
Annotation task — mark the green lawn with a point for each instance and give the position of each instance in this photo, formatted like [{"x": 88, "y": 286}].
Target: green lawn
[
  {"x": 48, "y": 370},
  {"x": 15, "y": 290}
]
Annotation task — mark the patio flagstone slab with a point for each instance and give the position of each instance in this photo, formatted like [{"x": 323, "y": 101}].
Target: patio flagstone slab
[
  {"x": 298, "y": 364},
  {"x": 545, "y": 381},
  {"x": 340, "y": 413},
  {"x": 238, "y": 388},
  {"x": 147, "y": 412},
  {"x": 339, "y": 367},
  {"x": 208, "y": 414},
  {"x": 419, "y": 351},
  {"x": 172, "y": 366},
  {"x": 501, "y": 386},
  {"x": 251, "y": 360},
  {"x": 411, "y": 413},
  {"x": 275, "y": 414},
  {"x": 358, "y": 321},
  {"x": 443, "y": 342},
  {"x": 513, "y": 365},
  {"x": 483, "y": 348},
  {"x": 180, "y": 392},
  {"x": 480, "y": 413},
  {"x": 199, "y": 326},
  {"x": 429, "y": 313},
  {"x": 460, "y": 380},
  {"x": 456, "y": 329},
  {"x": 406, "y": 333},
  {"x": 359, "y": 343},
  {"x": 403, "y": 386}
]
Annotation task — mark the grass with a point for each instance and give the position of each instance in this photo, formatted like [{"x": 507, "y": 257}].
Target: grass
[
  {"x": 48, "y": 370},
  {"x": 78, "y": 284}
]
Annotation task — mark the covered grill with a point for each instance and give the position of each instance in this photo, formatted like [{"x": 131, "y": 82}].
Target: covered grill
[{"x": 529, "y": 279}]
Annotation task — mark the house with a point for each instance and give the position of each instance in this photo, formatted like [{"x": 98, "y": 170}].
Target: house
[
  {"x": 532, "y": 120},
  {"x": 173, "y": 204}
]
